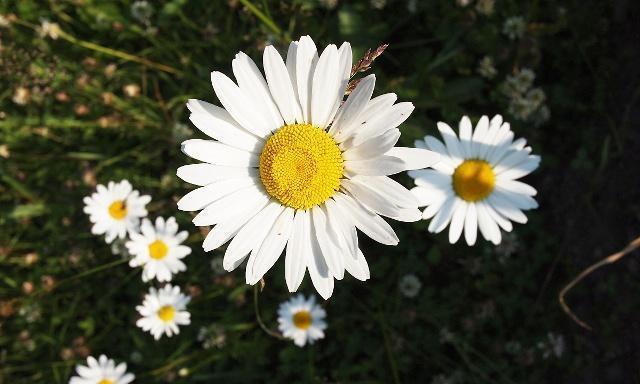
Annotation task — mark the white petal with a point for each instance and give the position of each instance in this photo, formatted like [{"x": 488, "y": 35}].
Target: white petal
[
  {"x": 498, "y": 218},
  {"x": 457, "y": 222},
  {"x": 345, "y": 58},
  {"x": 330, "y": 251},
  {"x": 342, "y": 227},
  {"x": 471, "y": 224},
  {"x": 379, "y": 166},
  {"x": 239, "y": 105},
  {"x": 214, "y": 152},
  {"x": 225, "y": 208},
  {"x": 517, "y": 187},
  {"x": 204, "y": 173},
  {"x": 396, "y": 115},
  {"x": 305, "y": 64},
  {"x": 326, "y": 86},
  {"x": 280, "y": 85},
  {"x": 393, "y": 191},
  {"x": 348, "y": 117},
  {"x": 320, "y": 276},
  {"x": 295, "y": 261},
  {"x": 432, "y": 179},
  {"x": 507, "y": 209},
  {"x": 370, "y": 198},
  {"x": 251, "y": 235},
  {"x": 292, "y": 54},
  {"x": 479, "y": 135},
  {"x": 414, "y": 158},
  {"x": 272, "y": 245},
  {"x": 443, "y": 217},
  {"x": 376, "y": 106},
  {"x": 451, "y": 140},
  {"x": 358, "y": 267},
  {"x": 217, "y": 123},
  {"x": 524, "y": 168},
  {"x": 373, "y": 147},
  {"x": 201, "y": 197},
  {"x": 446, "y": 164},
  {"x": 368, "y": 222},
  {"x": 466, "y": 130},
  {"x": 224, "y": 231},
  {"x": 510, "y": 160},
  {"x": 254, "y": 86},
  {"x": 487, "y": 225}
]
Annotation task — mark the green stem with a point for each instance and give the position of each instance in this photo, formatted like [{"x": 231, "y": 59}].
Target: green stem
[{"x": 256, "y": 307}]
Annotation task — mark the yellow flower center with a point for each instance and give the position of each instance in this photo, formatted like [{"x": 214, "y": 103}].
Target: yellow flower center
[
  {"x": 118, "y": 210},
  {"x": 158, "y": 250},
  {"x": 105, "y": 381},
  {"x": 166, "y": 313},
  {"x": 302, "y": 319},
  {"x": 301, "y": 166},
  {"x": 473, "y": 180}
]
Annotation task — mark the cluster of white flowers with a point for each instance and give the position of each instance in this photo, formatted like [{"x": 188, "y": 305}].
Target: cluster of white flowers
[
  {"x": 486, "y": 68},
  {"x": 514, "y": 27},
  {"x": 526, "y": 103}
]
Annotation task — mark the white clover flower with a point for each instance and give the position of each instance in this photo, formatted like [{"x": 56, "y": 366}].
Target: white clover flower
[
  {"x": 475, "y": 185},
  {"x": 158, "y": 249},
  {"x": 163, "y": 310},
  {"x": 142, "y": 11},
  {"x": 514, "y": 27},
  {"x": 102, "y": 371},
  {"x": 486, "y": 68},
  {"x": 115, "y": 209},
  {"x": 294, "y": 167},
  {"x": 302, "y": 320},
  {"x": 410, "y": 285}
]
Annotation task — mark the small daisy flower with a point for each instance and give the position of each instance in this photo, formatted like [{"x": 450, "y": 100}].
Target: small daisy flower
[
  {"x": 409, "y": 285},
  {"x": 102, "y": 371},
  {"x": 475, "y": 185},
  {"x": 295, "y": 169},
  {"x": 163, "y": 310},
  {"x": 159, "y": 249},
  {"x": 302, "y": 320},
  {"x": 514, "y": 27},
  {"x": 115, "y": 209}
]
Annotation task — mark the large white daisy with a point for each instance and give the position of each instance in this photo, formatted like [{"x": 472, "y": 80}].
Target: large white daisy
[
  {"x": 302, "y": 320},
  {"x": 292, "y": 166},
  {"x": 159, "y": 249},
  {"x": 475, "y": 186},
  {"x": 163, "y": 310},
  {"x": 102, "y": 371},
  {"x": 115, "y": 209}
]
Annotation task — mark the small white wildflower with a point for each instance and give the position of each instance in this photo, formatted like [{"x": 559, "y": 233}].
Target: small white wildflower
[
  {"x": 486, "y": 68},
  {"x": 463, "y": 3},
  {"x": 142, "y": 11},
  {"x": 485, "y": 7},
  {"x": 302, "y": 320},
  {"x": 554, "y": 345},
  {"x": 49, "y": 29},
  {"x": 329, "y": 4},
  {"x": 412, "y": 6},
  {"x": 514, "y": 27},
  {"x": 102, "y": 371},
  {"x": 21, "y": 96},
  {"x": 446, "y": 336},
  {"x": 536, "y": 97},
  {"x": 212, "y": 336},
  {"x": 4, "y": 21},
  {"x": 378, "y": 4},
  {"x": 409, "y": 285}
]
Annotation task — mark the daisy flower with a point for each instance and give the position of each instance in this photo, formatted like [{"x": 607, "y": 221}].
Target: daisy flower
[
  {"x": 475, "y": 185},
  {"x": 294, "y": 167},
  {"x": 115, "y": 209},
  {"x": 158, "y": 249},
  {"x": 302, "y": 320},
  {"x": 163, "y": 310},
  {"x": 102, "y": 371}
]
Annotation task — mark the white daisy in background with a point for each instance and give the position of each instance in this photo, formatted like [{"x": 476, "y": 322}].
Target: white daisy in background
[
  {"x": 163, "y": 310},
  {"x": 475, "y": 185},
  {"x": 302, "y": 320},
  {"x": 102, "y": 371},
  {"x": 159, "y": 249},
  {"x": 115, "y": 209},
  {"x": 292, "y": 166}
]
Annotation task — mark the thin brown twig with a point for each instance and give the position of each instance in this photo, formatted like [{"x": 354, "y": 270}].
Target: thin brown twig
[{"x": 608, "y": 260}]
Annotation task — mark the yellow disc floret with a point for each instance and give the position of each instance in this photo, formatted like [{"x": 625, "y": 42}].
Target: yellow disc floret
[
  {"x": 302, "y": 319},
  {"x": 105, "y": 381},
  {"x": 166, "y": 313},
  {"x": 158, "y": 250},
  {"x": 118, "y": 210},
  {"x": 473, "y": 180},
  {"x": 301, "y": 166}
]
